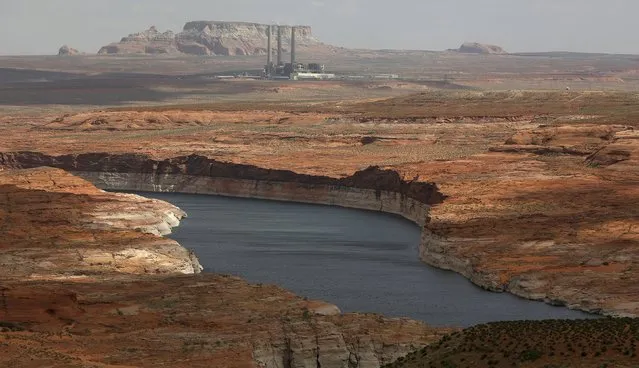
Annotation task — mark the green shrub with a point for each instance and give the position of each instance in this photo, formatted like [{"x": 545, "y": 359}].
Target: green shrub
[{"x": 530, "y": 355}]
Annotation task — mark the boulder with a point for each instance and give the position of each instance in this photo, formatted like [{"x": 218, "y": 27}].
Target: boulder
[{"x": 65, "y": 50}]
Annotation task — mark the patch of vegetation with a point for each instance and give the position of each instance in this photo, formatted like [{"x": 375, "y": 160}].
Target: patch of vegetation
[
  {"x": 606, "y": 342},
  {"x": 306, "y": 315},
  {"x": 530, "y": 355},
  {"x": 11, "y": 326}
]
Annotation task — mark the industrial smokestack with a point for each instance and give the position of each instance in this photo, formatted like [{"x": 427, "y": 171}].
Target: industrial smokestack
[
  {"x": 279, "y": 45},
  {"x": 269, "y": 51},
  {"x": 293, "y": 47}
]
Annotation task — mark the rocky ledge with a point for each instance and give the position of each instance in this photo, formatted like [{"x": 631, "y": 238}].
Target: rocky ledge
[
  {"x": 55, "y": 225},
  {"x": 66, "y": 50},
  {"x": 88, "y": 280}
]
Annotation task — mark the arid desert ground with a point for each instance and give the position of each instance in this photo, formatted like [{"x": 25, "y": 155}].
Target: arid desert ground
[{"x": 522, "y": 171}]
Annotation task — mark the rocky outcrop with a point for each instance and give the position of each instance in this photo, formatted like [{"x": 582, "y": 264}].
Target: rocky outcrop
[
  {"x": 237, "y": 38},
  {"x": 150, "y": 41},
  {"x": 378, "y": 189},
  {"x": 479, "y": 48},
  {"x": 55, "y": 225},
  {"x": 621, "y": 155},
  {"x": 209, "y": 38},
  {"x": 65, "y": 50},
  {"x": 191, "y": 321}
]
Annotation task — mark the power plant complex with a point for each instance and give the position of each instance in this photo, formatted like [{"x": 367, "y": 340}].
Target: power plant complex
[{"x": 292, "y": 70}]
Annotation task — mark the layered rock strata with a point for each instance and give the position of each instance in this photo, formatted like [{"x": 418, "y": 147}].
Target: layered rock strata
[
  {"x": 150, "y": 41},
  {"x": 55, "y": 225},
  {"x": 191, "y": 321},
  {"x": 499, "y": 254},
  {"x": 209, "y": 38},
  {"x": 373, "y": 188},
  {"x": 88, "y": 280}
]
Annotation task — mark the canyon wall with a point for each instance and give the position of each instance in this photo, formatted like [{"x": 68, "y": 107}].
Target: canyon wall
[
  {"x": 371, "y": 189},
  {"x": 82, "y": 239},
  {"x": 367, "y": 199},
  {"x": 54, "y": 225}
]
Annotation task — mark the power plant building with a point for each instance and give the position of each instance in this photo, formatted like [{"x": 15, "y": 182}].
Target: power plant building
[{"x": 292, "y": 70}]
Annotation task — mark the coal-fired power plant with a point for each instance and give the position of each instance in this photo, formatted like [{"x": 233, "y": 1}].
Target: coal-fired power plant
[
  {"x": 293, "y": 46},
  {"x": 279, "y": 46},
  {"x": 269, "y": 51},
  {"x": 292, "y": 70}
]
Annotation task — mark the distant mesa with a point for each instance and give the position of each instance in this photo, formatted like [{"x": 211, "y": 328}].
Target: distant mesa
[
  {"x": 209, "y": 38},
  {"x": 150, "y": 41},
  {"x": 65, "y": 50},
  {"x": 479, "y": 48}
]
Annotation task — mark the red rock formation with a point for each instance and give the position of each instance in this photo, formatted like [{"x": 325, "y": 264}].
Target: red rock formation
[
  {"x": 81, "y": 285},
  {"x": 55, "y": 225},
  {"x": 372, "y": 178}
]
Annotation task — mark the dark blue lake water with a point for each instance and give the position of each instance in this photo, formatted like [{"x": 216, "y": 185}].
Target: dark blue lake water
[{"x": 359, "y": 260}]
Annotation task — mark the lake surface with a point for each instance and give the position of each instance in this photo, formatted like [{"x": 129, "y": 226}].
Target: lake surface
[{"x": 359, "y": 260}]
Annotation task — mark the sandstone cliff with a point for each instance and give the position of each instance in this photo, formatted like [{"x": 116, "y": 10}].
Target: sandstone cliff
[
  {"x": 209, "y": 38},
  {"x": 87, "y": 280},
  {"x": 55, "y": 225},
  {"x": 191, "y": 321},
  {"x": 372, "y": 178}
]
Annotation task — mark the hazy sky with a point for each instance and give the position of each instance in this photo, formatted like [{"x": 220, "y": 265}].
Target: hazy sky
[{"x": 42, "y": 26}]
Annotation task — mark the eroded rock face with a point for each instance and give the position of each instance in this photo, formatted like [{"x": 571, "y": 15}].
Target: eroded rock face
[
  {"x": 209, "y": 38},
  {"x": 55, "y": 225},
  {"x": 150, "y": 41},
  {"x": 372, "y": 178},
  {"x": 479, "y": 48},
  {"x": 573, "y": 140},
  {"x": 191, "y": 321},
  {"x": 90, "y": 268},
  {"x": 238, "y": 38}
]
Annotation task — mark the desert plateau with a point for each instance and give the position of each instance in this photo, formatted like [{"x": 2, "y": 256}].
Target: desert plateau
[{"x": 518, "y": 173}]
